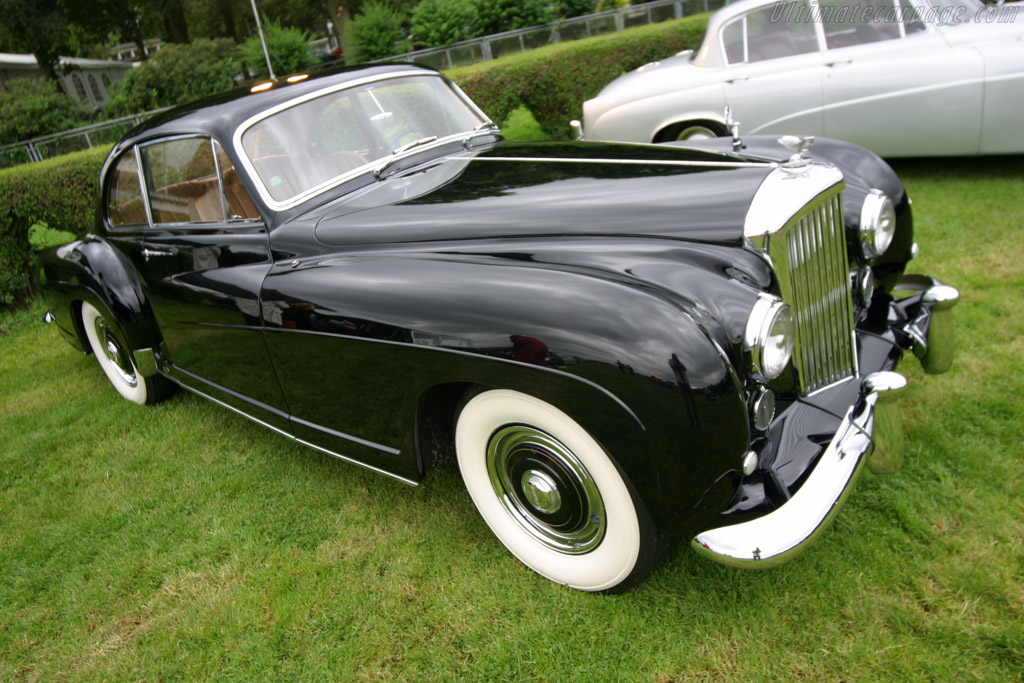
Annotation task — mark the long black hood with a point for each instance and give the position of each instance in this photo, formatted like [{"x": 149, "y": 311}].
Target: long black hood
[{"x": 531, "y": 189}]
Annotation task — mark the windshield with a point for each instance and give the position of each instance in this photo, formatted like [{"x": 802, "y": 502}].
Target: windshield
[{"x": 308, "y": 147}]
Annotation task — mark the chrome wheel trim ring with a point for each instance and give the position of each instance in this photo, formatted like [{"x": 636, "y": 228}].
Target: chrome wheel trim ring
[
  {"x": 545, "y": 489},
  {"x": 696, "y": 132},
  {"x": 112, "y": 350}
]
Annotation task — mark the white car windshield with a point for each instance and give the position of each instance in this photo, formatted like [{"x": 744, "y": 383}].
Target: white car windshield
[{"x": 310, "y": 146}]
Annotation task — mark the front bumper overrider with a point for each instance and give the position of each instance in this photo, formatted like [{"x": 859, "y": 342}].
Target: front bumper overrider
[{"x": 869, "y": 435}]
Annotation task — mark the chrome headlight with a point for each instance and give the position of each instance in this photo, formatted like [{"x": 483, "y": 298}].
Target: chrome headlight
[
  {"x": 769, "y": 337},
  {"x": 877, "y": 224}
]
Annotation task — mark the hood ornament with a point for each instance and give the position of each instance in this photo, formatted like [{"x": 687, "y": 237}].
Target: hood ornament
[
  {"x": 801, "y": 147},
  {"x": 734, "y": 129}
]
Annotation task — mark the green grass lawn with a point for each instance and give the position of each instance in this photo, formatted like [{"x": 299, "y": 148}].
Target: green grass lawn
[{"x": 183, "y": 541}]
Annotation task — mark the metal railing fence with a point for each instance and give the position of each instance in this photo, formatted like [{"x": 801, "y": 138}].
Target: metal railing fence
[
  {"x": 497, "y": 45},
  {"x": 457, "y": 54},
  {"x": 45, "y": 146}
]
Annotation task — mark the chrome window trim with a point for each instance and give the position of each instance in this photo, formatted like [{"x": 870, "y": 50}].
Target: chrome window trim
[{"x": 298, "y": 199}]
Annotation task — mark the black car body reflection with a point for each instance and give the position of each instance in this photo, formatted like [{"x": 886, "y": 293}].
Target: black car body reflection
[{"x": 622, "y": 345}]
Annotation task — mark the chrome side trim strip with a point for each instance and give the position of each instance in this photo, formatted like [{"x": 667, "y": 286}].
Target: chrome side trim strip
[
  {"x": 280, "y": 431},
  {"x": 594, "y": 385},
  {"x": 634, "y": 162}
]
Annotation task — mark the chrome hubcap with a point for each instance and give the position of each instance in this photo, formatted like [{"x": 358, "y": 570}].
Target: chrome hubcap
[
  {"x": 541, "y": 491},
  {"x": 546, "y": 489},
  {"x": 115, "y": 353}
]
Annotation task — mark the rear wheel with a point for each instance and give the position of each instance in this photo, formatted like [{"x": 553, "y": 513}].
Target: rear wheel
[
  {"x": 116, "y": 360},
  {"x": 690, "y": 130},
  {"x": 551, "y": 494}
]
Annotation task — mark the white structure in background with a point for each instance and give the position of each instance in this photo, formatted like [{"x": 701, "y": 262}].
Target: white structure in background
[
  {"x": 129, "y": 52},
  {"x": 87, "y": 80}
]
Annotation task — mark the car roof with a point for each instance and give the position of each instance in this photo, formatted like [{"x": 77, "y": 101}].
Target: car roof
[{"x": 225, "y": 111}]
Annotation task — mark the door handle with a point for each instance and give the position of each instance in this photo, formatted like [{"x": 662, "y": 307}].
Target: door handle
[
  {"x": 146, "y": 253},
  {"x": 738, "y": 79},
  {"x": 839, "y": 62}
]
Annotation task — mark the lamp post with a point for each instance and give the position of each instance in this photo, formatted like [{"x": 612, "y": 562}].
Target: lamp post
[{"x": 263, "y": 40}]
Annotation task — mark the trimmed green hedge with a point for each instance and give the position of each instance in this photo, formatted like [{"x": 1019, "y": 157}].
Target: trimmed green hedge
[
  {"x": 553, "y": 81},
  {"x": 60, "y": 192}
]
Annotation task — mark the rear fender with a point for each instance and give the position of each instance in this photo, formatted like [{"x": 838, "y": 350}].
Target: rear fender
[{"x": 91, "y": 270}]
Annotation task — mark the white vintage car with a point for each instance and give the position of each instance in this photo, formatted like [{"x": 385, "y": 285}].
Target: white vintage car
[{"x": 900, "y": 77}]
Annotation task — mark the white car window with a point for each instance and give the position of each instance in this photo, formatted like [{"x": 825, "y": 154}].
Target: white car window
[
  {"x": 912, "y": 22},
  {"x": 858, "y": 22},
  {"x": 773, "y": 32}
]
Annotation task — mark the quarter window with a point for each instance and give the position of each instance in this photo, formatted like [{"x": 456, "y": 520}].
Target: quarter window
[{"x": 124, "y": 201}]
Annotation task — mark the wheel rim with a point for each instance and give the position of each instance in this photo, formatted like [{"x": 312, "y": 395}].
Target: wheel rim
[
  {"x": 546, "y": 489},
  {"x": 115, "y": 353},
  {"x": 696, "y": 133}
]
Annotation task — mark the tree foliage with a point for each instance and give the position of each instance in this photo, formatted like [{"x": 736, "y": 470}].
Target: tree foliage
[
  {"x": 574, "y": 8},
  {"x": 178, "y": 74},
  {"x": 376, "y": 30},
  {"x": 33, "y": 107},
  {"x": 289, "y": 51},
  {"x": 495, "y": 16},
  {"x": 436, "y": 23}
]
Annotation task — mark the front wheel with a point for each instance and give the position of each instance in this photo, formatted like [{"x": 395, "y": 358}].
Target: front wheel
[
  {"x": 117, "y": 363},
  {"x": 551, "y": 494}
]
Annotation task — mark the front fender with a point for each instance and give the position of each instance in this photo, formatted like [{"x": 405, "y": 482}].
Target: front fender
[{"x": 626, "y": 361}]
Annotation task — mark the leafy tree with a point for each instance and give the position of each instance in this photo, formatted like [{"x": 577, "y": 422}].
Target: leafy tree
[
  {"x": 574, "y": 8},
  {"x": 436, "y": 23},
  {"x": 376, "y": 30},
  {"x": 38, "y": 26},
  {"x": 178, "y": 74},
  {"x": 289, "y": 50},
  {"x": 496, "y": 16},
  {"x": 32, "y": 107}
]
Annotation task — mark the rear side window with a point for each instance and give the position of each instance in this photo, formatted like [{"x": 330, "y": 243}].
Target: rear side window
[
  {"x": 124, "y": 202},
  {"x": 182, "y": 179}
]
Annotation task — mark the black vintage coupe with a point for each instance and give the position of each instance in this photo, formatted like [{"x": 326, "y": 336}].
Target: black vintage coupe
[{"x": 622, "y": 345}]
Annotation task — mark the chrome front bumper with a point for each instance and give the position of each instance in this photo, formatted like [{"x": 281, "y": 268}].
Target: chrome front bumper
[{"x": 871, "y": 434}]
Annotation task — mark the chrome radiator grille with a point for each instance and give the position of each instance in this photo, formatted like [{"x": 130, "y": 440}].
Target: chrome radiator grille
[{"x": 813, "y": 271}]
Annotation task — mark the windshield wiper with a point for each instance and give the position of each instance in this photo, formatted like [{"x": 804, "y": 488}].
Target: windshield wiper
[
  {"x": 393, "y": 157},
  {"x": 415, "y": 143}
]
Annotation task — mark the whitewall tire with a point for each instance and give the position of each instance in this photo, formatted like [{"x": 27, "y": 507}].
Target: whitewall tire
[
  {"x": 115, "y": 358},
  {"x": 550, "y": 493}
]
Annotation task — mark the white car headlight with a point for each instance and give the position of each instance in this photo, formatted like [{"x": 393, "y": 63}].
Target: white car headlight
[
  {"x": 877, "y": 224},
  {"x": 769, "y": 337}
]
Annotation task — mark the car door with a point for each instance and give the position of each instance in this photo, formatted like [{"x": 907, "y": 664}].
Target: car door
[
  {"x": 894, "y": 84},
  {"x": 773, "y": 72},
  {"x": 205, "y": 255}
]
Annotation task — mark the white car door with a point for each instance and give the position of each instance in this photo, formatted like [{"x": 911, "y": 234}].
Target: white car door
[
  {"x": 773, "y": 77},
  {"x": 898, "y": 87}
]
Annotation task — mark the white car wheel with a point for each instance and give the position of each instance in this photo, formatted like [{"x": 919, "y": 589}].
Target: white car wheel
[
  {"x": 549, "y": 492},
  {"x": 113, "y": 356},
  {"x": 696, "y": 132}
]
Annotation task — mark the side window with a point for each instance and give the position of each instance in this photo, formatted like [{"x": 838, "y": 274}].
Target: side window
[
  {"x": 124, "y": 193},
  {"x": 912, "y": 22},
  {"x": 858, "y": 22},
  {"x": 240, "y": 206},
  {"x": 779, "y": 30},
  {"x": 734, "y": 40},
  {"x": 182, "y": 181}
]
